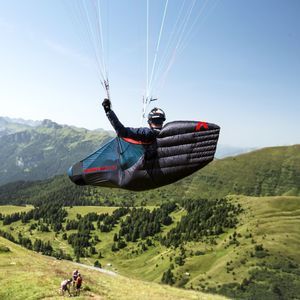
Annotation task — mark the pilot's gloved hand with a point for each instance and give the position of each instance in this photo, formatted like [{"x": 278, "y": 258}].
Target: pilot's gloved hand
[{"x": 106, "y": 105}]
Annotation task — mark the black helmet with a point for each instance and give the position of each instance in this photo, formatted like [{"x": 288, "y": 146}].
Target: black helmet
[{"x": 156, "y": 116}]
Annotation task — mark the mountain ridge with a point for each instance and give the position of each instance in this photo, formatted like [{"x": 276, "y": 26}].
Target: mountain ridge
[
  {"x": 272, "y": 171},
  {"x": 49, "y": 149},
  {"x": 42, "y": 151}
]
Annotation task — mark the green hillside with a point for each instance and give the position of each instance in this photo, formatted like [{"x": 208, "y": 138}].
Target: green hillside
[
  {"x": 258, "y": 258},
  {"x": 266, "y": 172},
  {"x": 40, "y": 152},
  {"x": 271, "y": 171},
  {"x": 244, "y": 246},
  {"x": 28, "y": 275}
]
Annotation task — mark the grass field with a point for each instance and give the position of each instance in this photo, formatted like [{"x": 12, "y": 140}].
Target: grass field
[
  {"x": 28, "y": 275},
  {"x": 10, "y": 209},
  {"x": 84, "y": 210},
  {"x": 273, "y": 222}
]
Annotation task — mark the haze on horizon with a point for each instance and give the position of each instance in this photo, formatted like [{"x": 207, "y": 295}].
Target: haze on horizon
[{"x": 240, "y": 69}]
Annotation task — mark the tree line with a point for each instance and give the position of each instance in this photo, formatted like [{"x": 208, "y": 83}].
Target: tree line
[{"x": 204, "y": 218}]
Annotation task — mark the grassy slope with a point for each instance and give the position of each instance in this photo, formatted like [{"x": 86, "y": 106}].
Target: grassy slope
[
  {"x": 83, "y": 210},
  {"x": 27, "y": 275},
  {"x": 272, "y": 221},
  {"x": 267, "y": 172},
  {"x": 10, "y": 209},
  {"x": 276, "y": 223}
]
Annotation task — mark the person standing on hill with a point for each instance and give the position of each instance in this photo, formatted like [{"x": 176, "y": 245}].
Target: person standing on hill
[
  {"x": 75, "y": 275},
  {"x": 78, "y": 284}
]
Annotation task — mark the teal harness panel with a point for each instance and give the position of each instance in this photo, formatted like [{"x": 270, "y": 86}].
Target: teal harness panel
[{"x": 129, "y": 153}]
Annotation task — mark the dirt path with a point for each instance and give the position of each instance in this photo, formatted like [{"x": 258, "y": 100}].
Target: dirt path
[
  {"x": 104, "y": 271},
  {"x": 111, "y": 273}
]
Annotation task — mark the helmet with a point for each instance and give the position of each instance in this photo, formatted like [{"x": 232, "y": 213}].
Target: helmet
[{"x": 156, "y": 116}]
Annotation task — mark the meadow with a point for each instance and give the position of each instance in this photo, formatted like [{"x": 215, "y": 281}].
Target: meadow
[
  {"x": 237, "y": 263},
  {"x": 11, "y": 209},
  {"x": 28, "y": 275}
]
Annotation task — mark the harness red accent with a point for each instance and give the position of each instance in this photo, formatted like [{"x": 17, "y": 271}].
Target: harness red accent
[
  {"x": 132, "y": 141},
  {"x": 200, "y": 125},
  {"x": 105, "y": 168}
]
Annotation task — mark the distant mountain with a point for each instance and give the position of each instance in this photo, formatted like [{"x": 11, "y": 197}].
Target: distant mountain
[
  {"x": 267, "y": 172},
  {"x": 38, "y": 150},
  {"x": 225, "y": 150},
  {"x": 21, "y": 121},
  {"x": 8, "y": 126}
]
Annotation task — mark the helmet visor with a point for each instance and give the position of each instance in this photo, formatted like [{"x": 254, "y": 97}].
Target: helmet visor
[{"x": 157, "y": 121}]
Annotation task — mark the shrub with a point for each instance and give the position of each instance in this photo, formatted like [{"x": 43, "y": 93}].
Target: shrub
[
  {"x": 168, "y": 277},
  {"x": 97, "y": 264},
  {"x": 4, "y": 249}
]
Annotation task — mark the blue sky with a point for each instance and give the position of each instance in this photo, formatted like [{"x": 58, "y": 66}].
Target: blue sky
[{"x": 240, "y": 67}]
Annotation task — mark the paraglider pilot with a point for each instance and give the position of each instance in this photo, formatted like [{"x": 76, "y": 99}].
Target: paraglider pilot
[{"x": 156, "y": 119}]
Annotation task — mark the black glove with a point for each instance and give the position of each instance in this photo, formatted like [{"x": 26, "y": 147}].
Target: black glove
[{"x": 106, "y": 105}]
